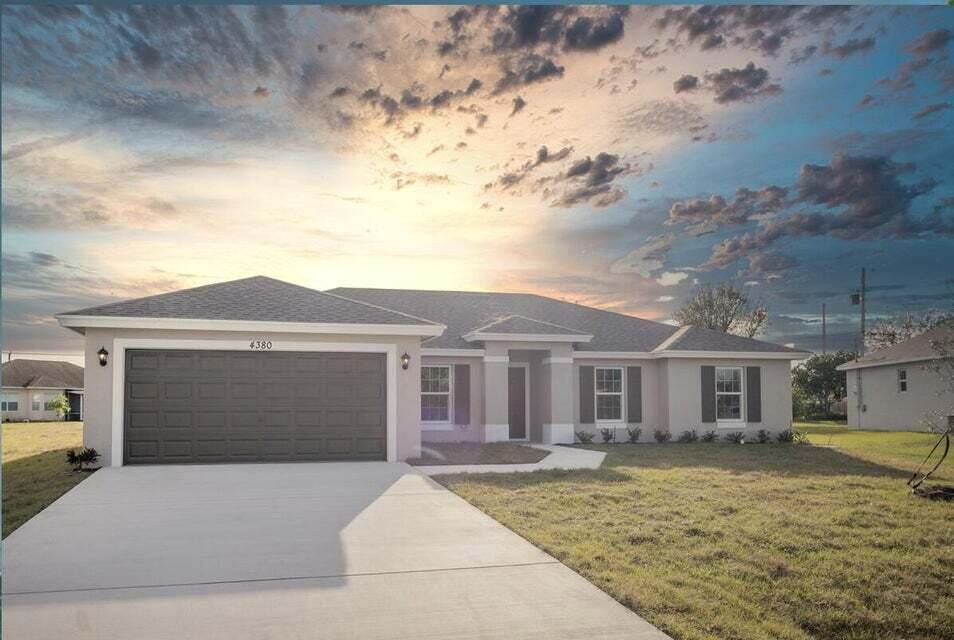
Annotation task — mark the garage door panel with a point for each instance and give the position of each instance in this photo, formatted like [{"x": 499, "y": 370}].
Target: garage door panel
[{"x": 197, "y": 406}]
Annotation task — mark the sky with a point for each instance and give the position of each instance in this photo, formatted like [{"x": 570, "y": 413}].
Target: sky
[{"x": 612, "y": 156}]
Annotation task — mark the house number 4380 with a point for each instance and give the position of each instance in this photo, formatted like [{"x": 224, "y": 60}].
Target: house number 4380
[{"x": 260, "y": 345}]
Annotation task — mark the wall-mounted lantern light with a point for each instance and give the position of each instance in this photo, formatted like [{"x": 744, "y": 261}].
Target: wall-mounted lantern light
[
  {"x": 103, "y": 356},
  {"x": 405, "y": 360}
]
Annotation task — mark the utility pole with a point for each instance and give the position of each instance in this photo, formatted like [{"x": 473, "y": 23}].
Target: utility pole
[
  {"x": 824, "y": 330},
  {"x": 860, "y": 298},
  {"x": 863, "y": 296}
]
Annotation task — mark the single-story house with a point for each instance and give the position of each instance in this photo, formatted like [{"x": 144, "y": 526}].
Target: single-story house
[
  {"x": 263, "y": 370},
  {"x": 897, "y": 388},
  {"x": 28, "y": 386}
]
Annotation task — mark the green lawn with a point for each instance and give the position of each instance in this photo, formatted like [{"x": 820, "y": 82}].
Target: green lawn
[
  {"x": 748, "y": 541},
  {"x": 35, "y": 472}
]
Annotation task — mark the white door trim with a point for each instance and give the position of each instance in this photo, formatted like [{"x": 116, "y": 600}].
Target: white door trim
[
  {"x": 526, "y": 398},
  {"x": 118, "y": 358}
]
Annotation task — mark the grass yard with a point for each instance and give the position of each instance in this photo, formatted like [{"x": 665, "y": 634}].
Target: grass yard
[
  {"x": 35, "y": 472},
  {"x": 435, "y": 453},
  {"x": 748, "y": 542}
]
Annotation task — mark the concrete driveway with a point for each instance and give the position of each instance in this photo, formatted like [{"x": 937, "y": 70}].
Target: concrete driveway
[{"x": 334, "y": 550}]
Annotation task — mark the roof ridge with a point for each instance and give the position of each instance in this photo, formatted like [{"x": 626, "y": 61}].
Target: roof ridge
[
  {"x": 673, "y": 338},
  {"x": 375, "y": 306},
  {"x": 536, "y": 320}
]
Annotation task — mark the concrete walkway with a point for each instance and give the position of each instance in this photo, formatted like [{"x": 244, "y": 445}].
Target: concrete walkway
[
  {"x": 559, "y": 458},
  {"x": 334, "y": 551}
]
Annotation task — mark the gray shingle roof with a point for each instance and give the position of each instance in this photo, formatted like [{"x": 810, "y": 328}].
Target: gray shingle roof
[
  {"x": 521, "y": 324},
  {"x": 254, "y": 299},
  {"x": 41, "y": 373},
  {"x": 917, "y": 348},
  {"x": 699, "y": 339}
]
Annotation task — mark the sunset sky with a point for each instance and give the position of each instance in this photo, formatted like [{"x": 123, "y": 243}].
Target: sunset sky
[{"x": 609, "y": 156}]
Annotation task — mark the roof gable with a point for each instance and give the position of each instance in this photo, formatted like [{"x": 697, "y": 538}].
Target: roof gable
[
  {"x": 914, "y": 349},
  {"x": 256, "y": 299}
]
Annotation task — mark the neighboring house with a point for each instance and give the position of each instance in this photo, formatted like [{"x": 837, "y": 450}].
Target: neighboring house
[
  {"x": 262, "y": 370},
  {"x": 30, "y": 385},
  {"x": 897, "y": 388}
]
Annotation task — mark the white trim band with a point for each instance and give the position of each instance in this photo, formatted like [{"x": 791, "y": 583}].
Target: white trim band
[
  {"x": 558, "y": 361},
  {"x": 654, "y": 355},
  {"x": 194, "y": 324},
  {"x": 497, "y": 359},
  {"x": 453, "y": 353},
  {"x": 476, "y": 336}
]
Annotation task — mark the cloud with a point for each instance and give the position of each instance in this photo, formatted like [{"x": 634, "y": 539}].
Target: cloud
[
  {"x": 848, "y": 48},
  {"x": 930, "y": 42},
  {"x": 46, "y": 143},
  {"x": 530, "y": 69},
  {"x": 570, "y": 28},
  {"x": 931, "y": 109},
  {"x": 804, "y": 54},
  {"x": 664, "y": 117},
  {"x": 686, "y": 83},
  {"x": 646, "y": 259},
  {"x": 589, "y": 34},
  {"x": 671, "y": 278},
  {"x": 665, "y": 299},
  {"x": 261, "y": 92},
  {"x": 741, "y": 85},
  {"x": 706, "y": 215},
  {"x": 518, "y": 106}
]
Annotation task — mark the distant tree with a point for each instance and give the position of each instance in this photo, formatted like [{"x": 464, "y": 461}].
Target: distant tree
[
  {"x": 61, "y": 405},
  {"x": 907, "y": 326},
  {"x": 818, "y": 380},
  {"x": 724, "y": 309}
]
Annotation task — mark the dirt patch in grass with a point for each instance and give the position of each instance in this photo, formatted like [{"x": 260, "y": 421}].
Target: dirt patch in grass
[
  {"x": 35, "y": 471},
  {"x": 434, "y": 453},
  {"x": 753, "y": 542}
]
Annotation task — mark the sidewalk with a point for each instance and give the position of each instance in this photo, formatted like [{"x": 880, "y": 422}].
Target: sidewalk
[{"x": 560, "y": 458}]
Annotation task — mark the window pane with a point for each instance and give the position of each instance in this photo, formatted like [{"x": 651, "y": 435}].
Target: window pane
[
  {"x": 729, "y": 380},
  {"x": 13, "y": 406},
  {"x": 434, "y": 408},
  {"x": 729, "y": 407},
  {"x": 609, "y": 407},
  {"x": 435, "y": 379},
  {"x": 609, "y": 380}
]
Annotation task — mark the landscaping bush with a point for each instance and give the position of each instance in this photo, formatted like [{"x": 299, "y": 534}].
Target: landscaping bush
[
  {"x": 608, "y": 434},
  {"x": 790, "y": 436},
  {"x": 81, "y": 459},
  {"x": 736, "y": 437},
  {"x": 662, "y": 436},
  {"x": 709, "y": 436},
  {"x": 763, "y": 436},
  {"x": 633, "y": 434},
  {"x": 689, "y": 435},
  {"x": 584, "y": 437}
]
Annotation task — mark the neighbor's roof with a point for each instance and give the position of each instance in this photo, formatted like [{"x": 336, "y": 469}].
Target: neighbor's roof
[
  {"x": 465, "y": 312},
  {"x": 41, "y": 373},
  {"x": 915, "y": 349},
  {"x": 256, "y": 299}
]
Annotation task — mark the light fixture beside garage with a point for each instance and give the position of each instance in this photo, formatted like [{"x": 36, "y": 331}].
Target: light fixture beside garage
[
  {"x": 103, "y": 356},
  {"x": 405, "y": 360}
]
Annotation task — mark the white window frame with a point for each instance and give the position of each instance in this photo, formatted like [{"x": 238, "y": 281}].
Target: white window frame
[
  {"x": 903, "y": 380},
  {"x": 449, "y": 393},
  {"x": 621, "y": 393},
  {"x": 36, "y": 402},
  {"x": 731, "y": 422},
  {"x": 7, "y": 400}
]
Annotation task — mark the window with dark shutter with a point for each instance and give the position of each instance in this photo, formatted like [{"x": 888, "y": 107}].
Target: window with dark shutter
[{"x": 587, "y": 397}]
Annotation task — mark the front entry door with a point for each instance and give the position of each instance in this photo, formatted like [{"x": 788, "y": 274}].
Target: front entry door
[{"x": 517, "y": 385}]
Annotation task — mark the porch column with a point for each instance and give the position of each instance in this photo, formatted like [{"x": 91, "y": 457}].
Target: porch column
[
  {"x": 496, "y": 393},
  {"x": 559, "y": 426}
]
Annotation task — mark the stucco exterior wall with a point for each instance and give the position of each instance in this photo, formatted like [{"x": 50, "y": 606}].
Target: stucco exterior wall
[
  {"x": 650, "y": 392},
  {"x": 684, "y": 377},
  {"x": 97, "y": 431},
  {"x": 926, "y": 402},
  {"x": 24, "y": 399},
  {"x": 473, "y": 431}
]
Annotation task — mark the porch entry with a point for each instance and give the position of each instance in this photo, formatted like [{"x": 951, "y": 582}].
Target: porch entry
[{"x": 517, "y": 383}]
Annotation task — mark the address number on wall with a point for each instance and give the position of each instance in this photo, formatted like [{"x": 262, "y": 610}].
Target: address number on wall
[{"x": 260, "y": 345}]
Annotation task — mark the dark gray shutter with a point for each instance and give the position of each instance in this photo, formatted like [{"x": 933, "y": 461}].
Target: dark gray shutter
[
  {"x": 708, "y": 394},
  {"x": 461, "y": 394},
  {"x": 634, "y": 394},
  {"x": 753, "y": 394},
  {"x": 587, "y": 410}
]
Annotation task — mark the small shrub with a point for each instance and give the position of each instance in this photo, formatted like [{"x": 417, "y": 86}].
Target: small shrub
[
  {"x": 662, "y": 436},
  {"x": 763, "y": 436},
  {"x": 608, "y": 434},
  {"x": 585, "y": 437},
  {"x": 790, "y": 436},
  {"x": 81, "y": 459},
  {"x": 736, "y": 437},
  {"x": 709, "y": 436},
  {"x": 689, "y": 435},
  {"x": 633, "y": 434}
]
